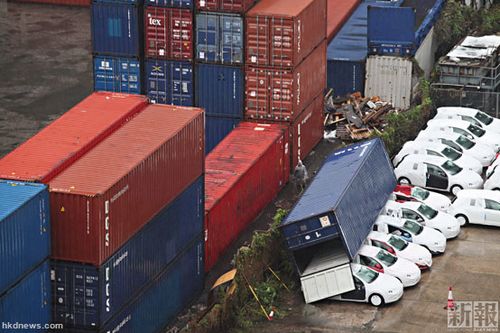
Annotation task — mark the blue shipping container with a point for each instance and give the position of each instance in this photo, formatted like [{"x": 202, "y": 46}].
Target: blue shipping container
[
  {"x": 28, "y": 302},
  {"x": 344, "y": 198},
  {"x": 170, "y": 82},
  {"x": 171, "y": 3},
  {"x": 219, "y": 38},
  {"x": 115, "y": 74},
  {"x": 24, "y": 229},
  {"x": 117, "y": 29},
  {"x": 347, "y": 52},
  {"x": 216, "y": 129},
  {"x": 220, "y": 90},
  {"x": 87, "y": 297}
]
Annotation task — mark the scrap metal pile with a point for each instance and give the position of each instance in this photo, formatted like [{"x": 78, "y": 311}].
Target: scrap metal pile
[{"x": 353, "y": 117}]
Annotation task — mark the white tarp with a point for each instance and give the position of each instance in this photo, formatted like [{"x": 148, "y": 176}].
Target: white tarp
[
  {"x": 462, "y": 52},
  {"x": 482, "y": 42}
]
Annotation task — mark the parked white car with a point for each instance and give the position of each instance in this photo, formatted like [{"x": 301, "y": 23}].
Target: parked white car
[
  {"x": 465, "y": 128},
  {"x": 441, "y": 150},
  {"x": 383, "y": 262},
  {"x": 398, "y": 246},
  {"x": 372, "y": 287},
  {"x": 447, "y": 224},
  {"x": 481, "y": 152},
  {"x": 412, "y": 231},
  {"x": 414, "y": 193},
  {"x": 492, "y": 181},
  {"x": 478, "y": 207},
  {"x": 467, "y": 114},
  {"x": 434, "y": 172}
]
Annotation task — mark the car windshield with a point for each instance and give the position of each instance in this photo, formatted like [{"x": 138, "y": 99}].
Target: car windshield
[
  {"x": 477, "y": 131},
  {"x": 484, "y": 118},
  {"x": 413, "y": 227},
  {"x": 386, "y": 258},
  {"x": 492, "y": 172},
  {"x": 451, "y": 154},
  {"x": 452, "y": 144},
  {"x": 420, "y": 193},
  {"x": 451, "y": 167},
  {"x": 398, "y": 243},
  {"x": 427, "y": 211},
  {"x": 464, "y": 142},
  {"x": 367, "y": 275}
]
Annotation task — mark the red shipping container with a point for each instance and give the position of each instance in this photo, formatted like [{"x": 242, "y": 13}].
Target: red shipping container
[
  {"x": 243, "y": 175},
  {"x": 231, "y": 6},
  {"x": 104, "y": 198},
  {"x": 281, "y": 94},
  {"x": 168, "y": 33},
  {"x": 69, "y": 137},
  {"x": 281, "y": 33},
  {"x": 338, "y": 13}
]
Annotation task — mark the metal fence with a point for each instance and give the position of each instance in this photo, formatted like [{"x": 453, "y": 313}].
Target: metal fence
[{"x": 486, "y": 101}]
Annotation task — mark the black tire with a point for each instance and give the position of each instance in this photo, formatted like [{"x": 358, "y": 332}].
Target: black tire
[
  {"x": 496, "y": 189},
  {"x": 404, "y": 181},
  {"x": 464, "y": 217},
  {"x": 374, "y": 300},
  {"x": 455, "y": 187}
]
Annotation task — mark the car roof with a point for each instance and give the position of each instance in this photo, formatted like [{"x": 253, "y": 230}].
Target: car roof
[
  {"x": 378, "y": 235},
  {"x": 389, "y": 220},
  {"x": 457, "y": 110},
  {"x": 403, "y": 189},
  {"x": 479, "y": 194},
  {"x": 433, "y": 133},
  {"x": 448, "y": 123},
  {"x": 436, "y": 145},
  {"x": 369, "y": 250},
  {"x": 420, "y": 158}
]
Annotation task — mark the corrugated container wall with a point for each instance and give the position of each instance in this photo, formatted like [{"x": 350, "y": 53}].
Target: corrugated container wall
[
  {"x": 219, "y": 90},
  {"x": 69, "y": 137},
  {"x": 86, "y": 296},
  {"x": 168, "y": 33},
  {"x": 216, "y": 129},
  {"x": 243, "y": 174},
  {"x": 338, "y": 12},
  {"x": 219, "y": 38},
  {"x": 281, "y": 94},
  {"x": 282, "y": 34},
  {"x": 330, "y": 207},
  {"x": 391, "y": 79},
  {"x": 117, "y": 74},
  {"x": 104, "y": 198},
  {"x": 165, "y": 297},
  {"x": 29, "y": 300},
  {"x": 170, "y": 82},
  {"x": 117, "y": 29},
  {"x": 24, "y": 229},
  {"x": 234, "y": 6},
  {"x": 80, "y": 3},
  {"x": 171, "y": 3}
]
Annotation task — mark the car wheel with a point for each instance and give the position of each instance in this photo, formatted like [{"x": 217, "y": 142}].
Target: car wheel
[
  {"x": 462, "y": 219},
  {"x": 496, "y": 189},
  {"x": 404, "y": 181},
  {"x": 455, "y": 189},
  {"x": 376, "y": 300}
]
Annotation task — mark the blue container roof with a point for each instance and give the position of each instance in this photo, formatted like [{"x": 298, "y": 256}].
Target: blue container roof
[
  {"x": 351, "y": 42},
  {"x": 15, "y": 194},
  {"x": 326, "y": 190}
]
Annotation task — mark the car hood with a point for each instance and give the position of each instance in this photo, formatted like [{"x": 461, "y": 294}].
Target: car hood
[
  {"x": 466, "y": 177},
  {"x": 403, "y": 267},
  {"x": 417, "y": 253},
  {"x": 385, "y": 282},
  {"x": 438, "y": 201},
  {"x": 469, "y": 163},
  {"x": 430, "y": 236},
  {"x": 491, "y": 139}
]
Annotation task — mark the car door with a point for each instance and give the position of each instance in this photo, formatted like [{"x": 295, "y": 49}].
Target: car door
[
  {"x": 358, "y": 294},
  {"x": 436, "y": 178},
  {"x": 476, "y": 211},
  {"x": 492, "y": 212}
]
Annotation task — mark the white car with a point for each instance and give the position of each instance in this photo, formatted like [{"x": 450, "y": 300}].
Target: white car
[
  {"x": 412, "y": 231},
  {"x": 372, "y": 287},
  {"x": 478, "y": 207},
  {"x": 383, "y": 262},
  {"x": 414, "y": 193},
  {"x": 425, "y": 215},
  {"x": 486, "y": 121},
  {"x": 481, "y": 152},
  {"x": 439, "y": 149},
  {"x": 465, "y": 128},
  {"x": 492, "y": 181},
  {"x": 493, "y": 166},
  {"x": 434, "y": 172},
  {"x": 398, "y": 246}
]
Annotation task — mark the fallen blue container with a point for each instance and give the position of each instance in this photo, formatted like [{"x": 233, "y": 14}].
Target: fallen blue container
[
  {"x": 170, "y": 82},
  {"x": 24, "y": 229},
  {"x": 117, "y": 74}
]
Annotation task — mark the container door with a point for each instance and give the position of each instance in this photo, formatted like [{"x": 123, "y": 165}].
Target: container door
[
  {"x": 157, "y": 33},
  {"x": 207, "y": 4},
  {"x": 325, "y": 284},
  {"x": 181, "y": 34},
  {"x": 282, "y": 93},
  {"x": 182, "y": 84},
  {"x": 232, "y": 39},
  {"x": 257, "y": 93},
  {"x": 257, "y": 38},
  {"x": 282, "y": 43},
  {"x": 207, "y": 30}
]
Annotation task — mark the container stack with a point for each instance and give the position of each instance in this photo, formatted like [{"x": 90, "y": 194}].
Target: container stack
[
  {"x": 25, "y": 295},
  {"x": 117, "y": 45},
  {"x": 286, "y": 69},
  {"x": 219, "y": 71}
]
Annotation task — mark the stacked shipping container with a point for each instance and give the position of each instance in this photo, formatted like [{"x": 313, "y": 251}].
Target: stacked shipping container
[{"x": 286, "y": 68}]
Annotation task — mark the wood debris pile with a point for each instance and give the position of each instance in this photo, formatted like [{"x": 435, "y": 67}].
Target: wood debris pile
[{"x": 354, "y": 117}]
